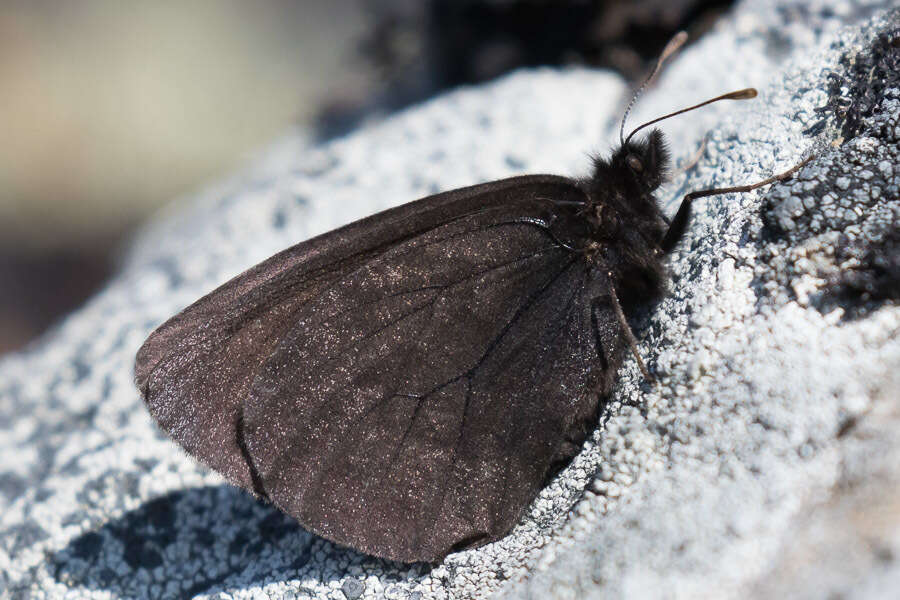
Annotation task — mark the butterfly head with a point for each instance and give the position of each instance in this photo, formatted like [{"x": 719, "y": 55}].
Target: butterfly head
[
  {"x": 626, "y": 221},
  {"x": 643, "y": 163},
  {"x": 621, "y": 189}
]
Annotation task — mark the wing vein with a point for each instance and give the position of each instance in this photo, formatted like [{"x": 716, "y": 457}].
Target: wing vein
[{"x": 468, "y": 375}]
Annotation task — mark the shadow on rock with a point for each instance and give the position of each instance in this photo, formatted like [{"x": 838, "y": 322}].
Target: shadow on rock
[{"x": 196, "y": 541}]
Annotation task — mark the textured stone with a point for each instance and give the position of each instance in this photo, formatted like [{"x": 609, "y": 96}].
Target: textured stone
[{"x": 762, "y": 462}]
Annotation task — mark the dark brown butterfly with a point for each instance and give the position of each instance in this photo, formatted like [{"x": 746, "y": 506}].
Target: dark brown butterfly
[{"x": 405, "y": 385}]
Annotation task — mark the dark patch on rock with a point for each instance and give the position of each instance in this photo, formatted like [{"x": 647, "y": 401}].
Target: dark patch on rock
[
  {"x": 75, "y": 518},
  {"x": 169, "y": 268},
  {"x": 43, "y": 494},
  {"x": 858, "y": 91},
  {"x": 302, "y": 559},
  {"x": 12, "y": 486},
  {"x": 142, "y": 556},
  {"x": 73, "y": 467},
  {"x": 85, "y": 419},
  {"x": 279, "y": 218},
  {"x": 106, "y": 389},
  {"x": 113, "y": 482},
  {"x": 146, "y": 464},
  {"x": 237, "y": 545},
  {"x": 213, "y": 522},
  {"x": 161, "y": 512},
  {"x": 833, "y": 235},
  {"x": 277, "y": 525},
  {"x": 875, "y": 274},
  {"x": 20, "y": 537},
  {"x": 107, "y": 575},
  {"x": 204, "y": 537}
]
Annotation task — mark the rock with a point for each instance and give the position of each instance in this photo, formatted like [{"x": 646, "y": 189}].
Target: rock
[{"x": 762, "y": 462}]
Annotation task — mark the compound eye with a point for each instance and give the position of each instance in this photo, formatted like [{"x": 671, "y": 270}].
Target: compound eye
[{"x": 634, "y": 163}]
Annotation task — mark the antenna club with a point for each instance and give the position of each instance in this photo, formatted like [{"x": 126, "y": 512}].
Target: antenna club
[
  {"x": 674, "y": 44},
  {"x": 745, "y": 94}
]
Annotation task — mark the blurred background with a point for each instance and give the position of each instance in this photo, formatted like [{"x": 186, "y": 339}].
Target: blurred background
[{"x": 110, "y": 109}]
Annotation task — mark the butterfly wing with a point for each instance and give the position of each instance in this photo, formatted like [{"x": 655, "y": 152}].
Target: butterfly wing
[{"x": 402, "y": 385}]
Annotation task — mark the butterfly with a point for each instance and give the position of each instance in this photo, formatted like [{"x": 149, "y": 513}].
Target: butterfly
[{"x": 405, "y": 385}]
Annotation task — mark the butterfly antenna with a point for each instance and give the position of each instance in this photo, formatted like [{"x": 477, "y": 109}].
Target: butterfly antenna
[
  {"x": 671, "y": 48},
  {"x": 744, "y": 94}
]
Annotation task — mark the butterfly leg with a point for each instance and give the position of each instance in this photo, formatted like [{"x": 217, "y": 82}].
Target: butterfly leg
[
  {"x": 679, "y": 223},
  {"x": 626, "y": 329}
]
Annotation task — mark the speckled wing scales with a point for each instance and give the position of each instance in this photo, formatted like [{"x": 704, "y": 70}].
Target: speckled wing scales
[{"x": 402, "y": 385}]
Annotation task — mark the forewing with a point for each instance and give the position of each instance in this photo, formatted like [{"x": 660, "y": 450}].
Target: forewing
[
  {"x": 418, "y": 402},
  {"x": 195, "y": 370}
]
